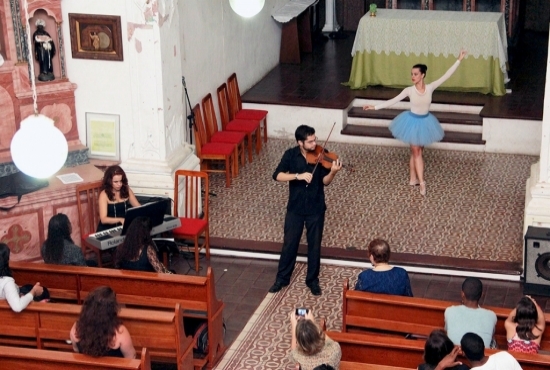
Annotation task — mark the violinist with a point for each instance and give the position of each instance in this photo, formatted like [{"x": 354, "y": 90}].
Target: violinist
[{"x": 306, "y": 206}]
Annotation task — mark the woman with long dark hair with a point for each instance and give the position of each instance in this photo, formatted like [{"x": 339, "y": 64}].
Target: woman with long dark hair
[
  {"x": 139, "y": 252},
  {"x": 115, "y": 198},
  {"x": 99, "y": 331},
  {"x": 59, "y": 247},
  {"x": 524, "y": 326},
  {"x": 439, "y": 347},
  {"x": 8, "y": 289}
]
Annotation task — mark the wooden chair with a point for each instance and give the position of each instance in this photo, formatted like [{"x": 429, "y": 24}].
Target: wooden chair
[
  {"x": 214, "y": 152},
  {"x": 251, "y": 127},
  {"x": 87, "y": 201},
  {"x": 192, "y": 209},
  {"x": 213, "y": 134},
  {"x": 236, "y": 110}
]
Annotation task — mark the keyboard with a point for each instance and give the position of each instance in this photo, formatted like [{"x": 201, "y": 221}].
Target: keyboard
[{"x": 110, "y": 238}]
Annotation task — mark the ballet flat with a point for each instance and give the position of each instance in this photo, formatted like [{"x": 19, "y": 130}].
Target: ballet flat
[
  {"x": 414, "y": 183},
  {"x": 423, "y": 188}
]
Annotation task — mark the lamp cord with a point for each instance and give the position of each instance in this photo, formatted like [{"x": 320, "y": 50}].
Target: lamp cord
[{"x": 29, "y": 56}]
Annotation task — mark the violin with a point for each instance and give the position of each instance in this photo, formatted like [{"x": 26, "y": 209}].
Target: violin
[{"x": 322, "y": 156}]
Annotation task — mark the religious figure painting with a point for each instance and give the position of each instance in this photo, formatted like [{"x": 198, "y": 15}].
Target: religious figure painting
[{"x": 96, "y": 36}]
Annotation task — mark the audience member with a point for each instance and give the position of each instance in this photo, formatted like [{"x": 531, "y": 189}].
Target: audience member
[
  {"x": 383, "y": 278},
  {"x": 310, "y": 347},
  {"x": 469, "y": 317},
  {"x": 524, "y": 326},
  {"x": 8, "y": 289},
  {"x": 114, "y": 198},
  {"x": 438, "y": 346},
  {"x": 59, "y": 247},
  {"x": 474, "y": 349},
  {"x": 138, "y": 251},
  {"x": 99, "y": 331}
]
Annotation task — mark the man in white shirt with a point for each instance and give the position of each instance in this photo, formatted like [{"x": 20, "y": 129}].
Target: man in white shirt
[
  {"x": 474, "y": 350},
  {"x": 469, "y": 317}
]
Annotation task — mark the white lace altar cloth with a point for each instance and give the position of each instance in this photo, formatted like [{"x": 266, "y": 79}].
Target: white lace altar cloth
[{"x": 437, "y": 32}]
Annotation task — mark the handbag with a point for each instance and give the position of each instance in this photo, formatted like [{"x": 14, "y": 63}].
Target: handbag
[{"x": 17, "y": 185}]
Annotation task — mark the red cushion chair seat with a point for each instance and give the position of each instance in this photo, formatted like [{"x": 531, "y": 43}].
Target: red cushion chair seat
[
  {"x": 217, "y": 148},
  {"x": 254, "y": 114},
  {"x": 190, "y": 226}
]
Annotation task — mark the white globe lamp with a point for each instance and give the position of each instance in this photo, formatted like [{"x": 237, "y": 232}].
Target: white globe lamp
[
  {"x": 247, "y": 8},
  {"x": 39, "y": 149}
]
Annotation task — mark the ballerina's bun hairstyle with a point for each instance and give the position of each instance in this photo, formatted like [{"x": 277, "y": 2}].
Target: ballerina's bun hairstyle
[{"x": 422, "y": 67}]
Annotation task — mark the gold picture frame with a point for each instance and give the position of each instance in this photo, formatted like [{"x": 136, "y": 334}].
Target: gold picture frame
[{"x": 96, "y": 36}]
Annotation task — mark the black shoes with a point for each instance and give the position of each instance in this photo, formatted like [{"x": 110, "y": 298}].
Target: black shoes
[
  {"x": 315, "y": 288},
  {"x": 276, "y": 287}
]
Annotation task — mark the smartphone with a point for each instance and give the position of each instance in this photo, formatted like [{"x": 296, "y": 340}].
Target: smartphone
[{"x": 301, "y": 311}]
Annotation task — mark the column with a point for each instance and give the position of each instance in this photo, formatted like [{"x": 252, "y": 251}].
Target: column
[
  {"x": 331, "y": 24},
  {"x": 537, "y": 195},
  {"x": 159, "y": 143}
]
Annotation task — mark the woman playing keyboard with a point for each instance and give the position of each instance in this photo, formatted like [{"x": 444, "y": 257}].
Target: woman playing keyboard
[{"x": 115, "y": 197}]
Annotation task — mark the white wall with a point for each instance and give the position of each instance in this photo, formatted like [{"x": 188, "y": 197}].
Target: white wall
[
  {"x": 217, "y": 42},
  {"x": 102, "y": 85},
  {"x": 214, "y": 43}
]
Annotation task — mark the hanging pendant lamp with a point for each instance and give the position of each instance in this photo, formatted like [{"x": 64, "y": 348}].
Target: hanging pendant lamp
[
  {"x": 247, "y": 8},
  {"x": 38, "y": 148}
]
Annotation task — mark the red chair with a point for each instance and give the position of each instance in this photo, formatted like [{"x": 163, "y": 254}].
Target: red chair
[
  {"x": 214, "y": 152},
  {"x": 236, "y": 106},
  {"x": 192, "y": 209},
  {"x": 252, "y": 128},
  {"x": 213, "y": 135}
]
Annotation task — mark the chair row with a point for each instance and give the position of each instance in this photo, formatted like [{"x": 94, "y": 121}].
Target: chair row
[
  {"x": 241, "y": 130},
  {"x": 47, "y": 326},
  {"x": 399, "y": 315},
  {"x": 37, "y": 359},
  {"x": 136, "y": 289},
  {"x": 390, "y": 351}
]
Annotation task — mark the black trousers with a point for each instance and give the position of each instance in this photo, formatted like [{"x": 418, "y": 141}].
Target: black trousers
[{"x": 294, "y": 227}]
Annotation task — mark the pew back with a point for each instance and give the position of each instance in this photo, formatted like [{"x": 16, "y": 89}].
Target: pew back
[
  {"x": 36, "y": 359},
  {"x": 392, "y": 351},
  {"x": 48, "y": 326},
  {"x": 195, "y": 294},
  {"x": 410, "y": 315}
]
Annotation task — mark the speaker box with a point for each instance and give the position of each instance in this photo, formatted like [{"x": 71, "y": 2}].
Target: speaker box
[{"x": 537, "y": 261}]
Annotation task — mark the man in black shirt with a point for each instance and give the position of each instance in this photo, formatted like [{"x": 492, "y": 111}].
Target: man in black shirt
[{"x": 306, "y": 206}]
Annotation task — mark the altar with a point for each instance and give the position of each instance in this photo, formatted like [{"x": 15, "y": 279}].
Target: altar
[{"x": 388, "y": 45}]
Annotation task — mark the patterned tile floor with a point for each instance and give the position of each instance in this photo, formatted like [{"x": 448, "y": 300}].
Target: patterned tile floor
[{"x": 473, "y": 209}]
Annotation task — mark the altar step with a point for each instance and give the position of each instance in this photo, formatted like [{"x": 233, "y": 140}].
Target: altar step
[{"x": 463, "y": 131}]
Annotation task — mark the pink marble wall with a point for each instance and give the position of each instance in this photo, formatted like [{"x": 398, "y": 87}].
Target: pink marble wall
[{"x": 25, "y": 227}]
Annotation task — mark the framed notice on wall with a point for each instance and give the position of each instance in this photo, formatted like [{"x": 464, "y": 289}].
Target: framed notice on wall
[{"x": 102, "y": 136}]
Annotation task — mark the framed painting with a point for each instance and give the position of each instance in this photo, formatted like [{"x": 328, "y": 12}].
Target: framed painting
[
  {"x": 96, "y": 36},
  {"x": 102, "y": 136}
]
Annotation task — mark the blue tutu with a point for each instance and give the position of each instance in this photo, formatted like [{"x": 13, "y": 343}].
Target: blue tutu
[{"x": 414, "y": 129}]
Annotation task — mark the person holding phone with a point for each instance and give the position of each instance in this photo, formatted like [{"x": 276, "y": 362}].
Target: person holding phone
[{"x": 310, "y": 346}]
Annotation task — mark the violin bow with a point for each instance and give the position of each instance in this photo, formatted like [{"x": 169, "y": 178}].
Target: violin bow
[{"x": 319, "y": 156}]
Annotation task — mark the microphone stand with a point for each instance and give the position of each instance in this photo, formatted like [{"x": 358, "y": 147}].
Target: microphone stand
[{"x": 191, "y": 116}]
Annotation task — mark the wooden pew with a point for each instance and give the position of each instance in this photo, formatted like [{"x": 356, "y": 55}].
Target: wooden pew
[
  {"x": 392, "y": 351},
  {"x": 47, "y": 326},
  {"x": 399, "y": 315},
  {"x": 38, "y": 359},
  {"x": 346, "y": 365},
  {"x": 196, "y": 294}
]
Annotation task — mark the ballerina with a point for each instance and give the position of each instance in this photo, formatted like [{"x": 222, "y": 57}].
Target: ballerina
[{"x": 418, "y": 127}]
